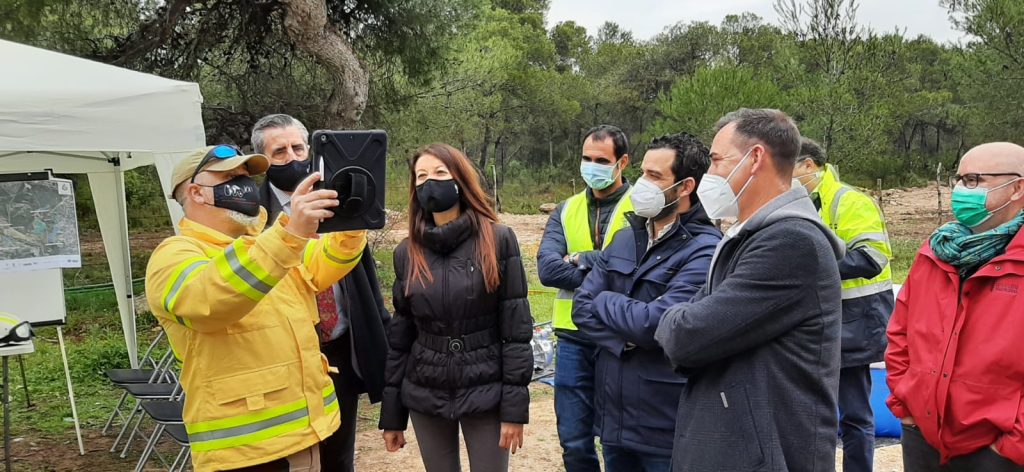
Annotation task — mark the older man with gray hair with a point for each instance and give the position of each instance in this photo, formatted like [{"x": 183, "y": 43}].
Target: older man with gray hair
[
  {"x": 760, "y": 342},
  {"x": 352, "y": 312}
]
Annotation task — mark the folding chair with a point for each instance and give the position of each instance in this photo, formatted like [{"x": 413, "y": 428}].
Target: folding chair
[
  {"x": 164, "y": 413},
  {"x": 147, "y": 391},
  {"x": 178, "y": 433},
  {"x": 122, "y": 377}
]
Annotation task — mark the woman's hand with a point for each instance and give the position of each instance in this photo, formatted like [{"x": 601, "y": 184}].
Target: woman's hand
[
  {"x": 511, "y": 437},
  {"x": 394, "y": 440}
]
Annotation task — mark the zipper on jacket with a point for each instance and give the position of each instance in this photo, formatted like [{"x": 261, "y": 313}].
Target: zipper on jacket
[{"x": 448, "y": 355}]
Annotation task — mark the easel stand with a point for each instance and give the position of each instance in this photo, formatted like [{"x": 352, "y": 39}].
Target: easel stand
[{"x": 71, "y": 390}]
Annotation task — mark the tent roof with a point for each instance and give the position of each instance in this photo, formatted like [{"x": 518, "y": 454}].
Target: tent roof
[{"x": 73, "y": 115}]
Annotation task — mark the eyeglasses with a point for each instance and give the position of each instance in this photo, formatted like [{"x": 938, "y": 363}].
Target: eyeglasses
[
  {"x": 221, "y": 151},
  {"x": 971, "y": 180}
]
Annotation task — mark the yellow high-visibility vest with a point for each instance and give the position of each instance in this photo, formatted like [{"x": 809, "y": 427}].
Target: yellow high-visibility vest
[
  {"x": 576, "y": 227},
  {"x": 857, "y": 220}
]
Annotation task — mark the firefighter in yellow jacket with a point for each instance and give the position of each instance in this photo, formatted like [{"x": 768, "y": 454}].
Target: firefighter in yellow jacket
[{"x": 239, "y": 308}]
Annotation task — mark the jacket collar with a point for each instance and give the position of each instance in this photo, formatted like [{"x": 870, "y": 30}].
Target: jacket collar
[
  {"x": 610, "y": 199},
  {"x": 203, "y": 233},
  {"x": 445, "y": 238},
  {"x": 829, "y": 183},
  {"x": 687, "y": 225}
]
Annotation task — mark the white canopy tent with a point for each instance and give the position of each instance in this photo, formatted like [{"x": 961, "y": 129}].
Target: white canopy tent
[{"x": 72, "y": 116}]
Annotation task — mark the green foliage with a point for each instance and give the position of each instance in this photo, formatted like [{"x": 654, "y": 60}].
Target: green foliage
[
  {"x": 486, "y": 77},
  {"x": 695, "y": 103}
]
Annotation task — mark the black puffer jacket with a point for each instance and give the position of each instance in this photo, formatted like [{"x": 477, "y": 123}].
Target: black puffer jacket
[{"x": 456, "y": 349}]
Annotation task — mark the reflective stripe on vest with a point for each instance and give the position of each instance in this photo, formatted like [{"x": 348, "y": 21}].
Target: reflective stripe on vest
[
  {"x": 185, "y": 272},
  {"x": 307, "y": 255},
  {"x": 251, "y": 428},
  {"x": 576, "y": 228},
  {"x": 244, "y": 275},
  {"x": 874, "y": 244}
]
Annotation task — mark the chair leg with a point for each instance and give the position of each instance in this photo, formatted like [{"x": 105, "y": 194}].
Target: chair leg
[
  {"x": 150, "y": 447},
  {"x": 135, "y": 431},
  {"x": 115, "y": 413},
  {"x": 177, "y": 460},
  {"x": 127, "y": 424},
  {"x": 188, "y": 458}
]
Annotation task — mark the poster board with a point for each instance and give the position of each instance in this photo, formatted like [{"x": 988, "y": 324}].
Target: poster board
[
  {"x": 38, "y": 223},
  {"x": 36, "y": 296}
]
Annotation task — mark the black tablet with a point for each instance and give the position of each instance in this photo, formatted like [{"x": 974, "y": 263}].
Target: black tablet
[{"x": 353, "y": 163}]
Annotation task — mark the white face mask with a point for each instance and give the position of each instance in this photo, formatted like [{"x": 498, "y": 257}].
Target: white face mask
[
  {"x": 803, "y": 180},
  {"x": 648, "y": 199},
  {"x": 716, "y": 194}
]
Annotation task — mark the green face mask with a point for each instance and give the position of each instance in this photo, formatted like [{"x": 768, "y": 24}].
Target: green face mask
[{"x": 969, "y": 204}]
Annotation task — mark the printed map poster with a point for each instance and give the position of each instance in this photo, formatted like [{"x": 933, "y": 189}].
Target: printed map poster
[{"x": 38, "y": 225}]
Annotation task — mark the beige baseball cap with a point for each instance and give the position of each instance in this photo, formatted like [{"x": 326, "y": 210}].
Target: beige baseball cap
[{"x": 222, "y": 158}]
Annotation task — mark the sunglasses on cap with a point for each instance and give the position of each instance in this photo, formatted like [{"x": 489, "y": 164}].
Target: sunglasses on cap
[{"x": 220, "y": 151}]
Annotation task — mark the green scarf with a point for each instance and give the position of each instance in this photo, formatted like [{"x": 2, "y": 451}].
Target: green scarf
[{"x": 955, "y": 244}]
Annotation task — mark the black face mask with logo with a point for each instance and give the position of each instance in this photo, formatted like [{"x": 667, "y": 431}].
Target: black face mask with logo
[
  {"x": 288, "y": 176},
  {"x": 240, "y": 194},
  {"x": 436, "y": 196}
]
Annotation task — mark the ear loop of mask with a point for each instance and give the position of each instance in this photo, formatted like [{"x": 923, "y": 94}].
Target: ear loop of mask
[
  {"x": 729, "y": 178},
  {"x": 997, "y": 210},
  {"x": 816, "y": 176},
  {"x": 670, "y": 188}
]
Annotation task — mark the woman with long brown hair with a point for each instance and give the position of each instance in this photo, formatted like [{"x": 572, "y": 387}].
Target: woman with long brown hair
[{"x": 460, "y": 336}]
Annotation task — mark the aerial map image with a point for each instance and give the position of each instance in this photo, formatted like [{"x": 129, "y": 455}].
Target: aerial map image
[{"x": 38, "y": 225}]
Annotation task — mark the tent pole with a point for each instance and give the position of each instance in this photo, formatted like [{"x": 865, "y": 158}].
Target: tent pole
[
  {"x": 109, "y": 194},
  {"x": 131, "y": 334}
]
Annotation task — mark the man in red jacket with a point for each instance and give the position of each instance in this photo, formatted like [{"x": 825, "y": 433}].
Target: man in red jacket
[{"x": 955, "y": 362}]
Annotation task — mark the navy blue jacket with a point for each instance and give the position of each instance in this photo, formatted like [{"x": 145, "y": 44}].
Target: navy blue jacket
[{"x": 619, "y": 306}]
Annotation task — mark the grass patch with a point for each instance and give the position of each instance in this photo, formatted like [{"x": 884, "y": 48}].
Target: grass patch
[
  {"x": 903, "y": 252},
  {"x": 95, "y": 343}
]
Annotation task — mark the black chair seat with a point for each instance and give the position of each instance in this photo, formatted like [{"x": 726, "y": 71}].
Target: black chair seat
[
  {"x": 154, "y": 391},
  {"x": 178, "y": 433},
  {"x": 129, "y": 376},
  {"x": 164, "y": 411}
]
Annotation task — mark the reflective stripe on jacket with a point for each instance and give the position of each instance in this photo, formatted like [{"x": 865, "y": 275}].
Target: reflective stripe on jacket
[
  {"x": 867, "y": 302},
  {"x": 240, "y": 315},
  {"x": 576, "y": 228},
  {"x": 856, "y": 219}
]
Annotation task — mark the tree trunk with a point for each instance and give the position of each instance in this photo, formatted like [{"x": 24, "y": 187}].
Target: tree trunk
[
  {"x": 306, "y": 23},
  {"x": 503, "y": 144},
  {"x": 551, "y": 153},
  {"x": 484, "y": 146}
]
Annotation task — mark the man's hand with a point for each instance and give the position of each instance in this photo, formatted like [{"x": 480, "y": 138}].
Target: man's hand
[
  {"x": 511, "y": 437},
  {"x": 309, "y": 207},
  {"x": 909, "y": 421},
  {"x": 394, "y": 440}
]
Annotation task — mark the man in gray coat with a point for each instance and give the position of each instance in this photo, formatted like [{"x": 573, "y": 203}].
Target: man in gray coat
[{"x": 760, "y": 341}]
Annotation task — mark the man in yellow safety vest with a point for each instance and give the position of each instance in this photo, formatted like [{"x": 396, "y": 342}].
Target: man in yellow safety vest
[
  {"x": 867, "y": 295},
  {"x": 578, "y": 229},
  {"x": 239, "y": 308}
]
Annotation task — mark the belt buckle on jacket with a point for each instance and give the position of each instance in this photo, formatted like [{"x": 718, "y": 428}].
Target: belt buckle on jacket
[{"x": 456, "y": 344}]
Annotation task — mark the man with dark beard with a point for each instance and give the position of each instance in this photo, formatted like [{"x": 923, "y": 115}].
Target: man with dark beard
[{"x": 660, "y": 260}]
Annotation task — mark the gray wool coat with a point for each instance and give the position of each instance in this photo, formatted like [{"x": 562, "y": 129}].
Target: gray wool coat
[{"x": 760, "y": 344}]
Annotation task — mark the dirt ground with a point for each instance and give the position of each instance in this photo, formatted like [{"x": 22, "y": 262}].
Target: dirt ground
[{"x": 912, "y": 213}]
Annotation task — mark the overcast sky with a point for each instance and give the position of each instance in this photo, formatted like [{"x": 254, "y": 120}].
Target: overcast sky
[{"x": 646, "y": 18}]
